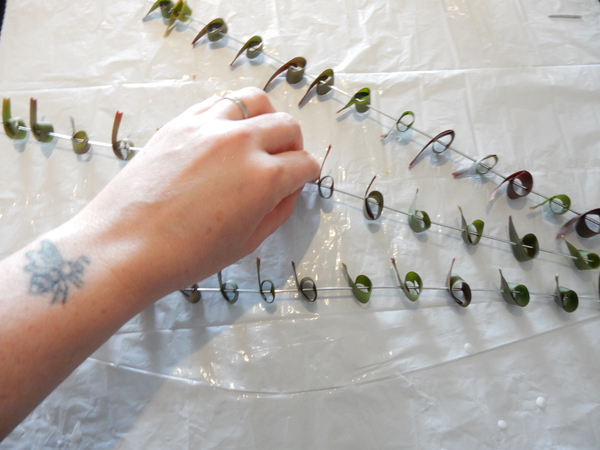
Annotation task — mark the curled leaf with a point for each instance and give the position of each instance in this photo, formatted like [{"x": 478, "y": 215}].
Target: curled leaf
[
  {"x": 361, "y": 287},
  {"x": 584, "y": 260},
  {"x": 400, "y": 126},
  {"x": 515, "y": 294},
  {"x": 295, "y": 71},
  {"x": 480, "y": 167},
  {"x": 524, "y": 249},
  {"x": 307, "y": 286},
  {"x": 372, "y": 199},
  {"x": 165, "y": 8},
  {"x": 418, "y": 221},
  {"x": 228, "y": 288},
  {"x": 12, "y": 125},
  {"x": 79, "y": 140},
  {"x": 519, "y": 185},
  {"x": 40, "y": 130},
  {"x": 265, "y": 286},
  {"x": 566, "y": 298},
  {"x": 215, "y": 30},
  {"x": 122, "y": 148},
  {"x": 323, "y": 83},
  {"x": 412, "y": 286},
  {"x": 585, "y": 226},
  {"x": 181, "y": 11},
  {"x": 253, "y": 47},
  {"x": 454, "y": 283},
  {"x": 471, "y": 234},
  {"x": 192, "y": 293},
  {"x": 559, "y": 204},
  {"x": 438, "y": 144},
  {"x": 326, "y": 181},
  {"x": 361, "y": 100}
]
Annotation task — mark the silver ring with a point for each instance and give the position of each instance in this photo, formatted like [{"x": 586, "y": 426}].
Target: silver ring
[{"x": 238, "y": 102}]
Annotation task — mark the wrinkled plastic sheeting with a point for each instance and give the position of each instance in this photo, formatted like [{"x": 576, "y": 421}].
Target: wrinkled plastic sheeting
[{"x": 335, "y": 373}]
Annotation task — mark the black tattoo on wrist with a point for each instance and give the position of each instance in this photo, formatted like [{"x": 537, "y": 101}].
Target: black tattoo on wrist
[{"x": 51, "y": 273}]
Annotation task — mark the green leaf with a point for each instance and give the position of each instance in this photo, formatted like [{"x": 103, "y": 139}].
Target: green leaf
[
  {"x": 227, "y": 288},
  {"x": 455, "y": 283},
  {"x": 253, "y": 47},
  {"x": 12, "y": 124},
  {"x": 559, "y": 204},
  {"x": 480, "y": 167},
  {"x": 122, "y": 148},
  {"x": 468, "y": 231},
  {"x": 40, "y": 130},
  {"x": 295, "y": 71},
  {"x": 323, "y": 82},
  {"x": 328, "y": 180},
  {"x": 515, "y": 294},
  {"x": 566, "y": 298},
  {"x": 361, "y": 287},
  {"x": 438, "y": 144},
  {"x": 412, "y": 282},
  {"x": 361, "y": 100},
  {"x": 306, "y": 287},
  {"x": 519, "y": 185},
  {"x": 524, "y": 249},
  {"x": 585, "y": 260},
  {"x": 270, "y": 287},
  {"x": 373, "y": 198},
  {"x": 192, "y": 293},
  {"x": 181, "y": 11},
  {"x": 400, "y": 126},
  {"x": 418, "y": 221},
  {"x": 165, "y": 6},
  {"x": 215, "y": 30}
]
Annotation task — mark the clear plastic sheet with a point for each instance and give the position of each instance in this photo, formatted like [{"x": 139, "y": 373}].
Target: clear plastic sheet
[{"x": 333, "y": 374}]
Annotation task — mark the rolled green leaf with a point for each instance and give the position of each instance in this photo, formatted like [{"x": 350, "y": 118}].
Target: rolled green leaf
[
  {"x": 323, "y": 83},
  {"x": 181, "y": 11},
  {"x": 400, "y": 126},
  {"x": 468, "y": 232},
  {"x": 515, "y": 294},
  {"x": 514, "y": 190},
  {"x": 358, "y": 286},
  {"x": 306, "y": 287},
  {"x": 295, "y": 71},
  {"x": 228, "y": 288},
  {"x": 361, "y": 100},
  {"x": 192, "y": 293},
  {"x": 79, "y": 140},
  {"x": 165, "y": 6},
  {"x": 559, "y": 204},
  {"x": 480, "y": 167},
  {"x": 438, "y": 144},
  {"x": 455, "y": 283},
  {"x": 122, "y": 148},
  {"x": 40, "y": 130},
  {"x": 566, "y": 298},
  {"x": 253, "y": 47},
  {"x": 325, "y": 182},
  {"x": 214, "y": 30},
  {"x": 418, "y": 221},
  {"x": 12, "y": 125},
  {"x": 524, "y": 249},
  {"x": 412, "y": 282},
  {"x": 372, "y": 198},
  {"x": 265, "y": 286},
  {"x": 585, "y": 260}
]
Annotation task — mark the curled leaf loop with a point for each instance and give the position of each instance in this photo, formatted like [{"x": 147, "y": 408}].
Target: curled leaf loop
[
  {"x": 454, "y": 283},
  {"x": 566, "y": 298},
  {"x": 471, "y": 234},
  {"x": 323, "y": 82},
  {"x": 587, "y": 224},
  {"x": 79, "y": 140},
  {"x": 361, "y": 100},
  {"x": 253, "y": 48},
  {"x": 295, "y": 71},
  {"x": 265, "y": 286},
  {"x": 418, "y": 221},
  {"x": 373, "y": 199},
  {"x": 12, "y": 125},
  {"x": 361, "y": 287},
  {"x": 559, "y": 204},
  {"x": 40, "y": 130},
  {"x": 479, "y": 167},
  {"x": 192, "y": 293},
  {"x": 524, "y": 249},
  {"x": 122, "y": 148},
  {"x": 438, "y": 144},
  {"x": 306, "y": 286},
  {"x": 519, "y": 185},
  {"x": 515, "y": 294},
  {"x": 229, "y": 289},
  {"x": 325, "y": 182},
  {"x": 181, "y": 11},
  {"x": 214, "y": 30},
  {"x": 166, "y": 6},
  {"x": 400, "y": 126},
  {"x": 412, "y": 286},
  {"x": 584, "y": 260}
]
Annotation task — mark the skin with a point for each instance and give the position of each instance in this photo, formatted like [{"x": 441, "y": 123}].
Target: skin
[{"x": 206, "y": 190}]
